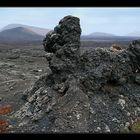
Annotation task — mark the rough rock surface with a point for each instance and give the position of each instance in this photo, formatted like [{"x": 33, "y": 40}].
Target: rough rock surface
[{"x": 97, "y": 91}]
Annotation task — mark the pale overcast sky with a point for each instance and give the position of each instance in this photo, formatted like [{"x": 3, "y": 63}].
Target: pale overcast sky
[{"x": 119, "y": 21}]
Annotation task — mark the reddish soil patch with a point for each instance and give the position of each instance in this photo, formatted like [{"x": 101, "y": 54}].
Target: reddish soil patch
[
  {"x": 3, "y": 126},
  {"x": 4, "y": 109}
]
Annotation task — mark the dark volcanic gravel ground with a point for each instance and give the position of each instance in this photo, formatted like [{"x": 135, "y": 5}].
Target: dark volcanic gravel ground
[{"x": 20, "y": 67}]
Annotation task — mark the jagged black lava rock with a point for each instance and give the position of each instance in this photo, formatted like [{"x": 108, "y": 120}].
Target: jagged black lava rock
[{"x": 94, "y": 92}]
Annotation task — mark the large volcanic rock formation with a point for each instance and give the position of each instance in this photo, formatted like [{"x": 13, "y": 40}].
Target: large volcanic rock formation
[{"x": 97, "y": 91}]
